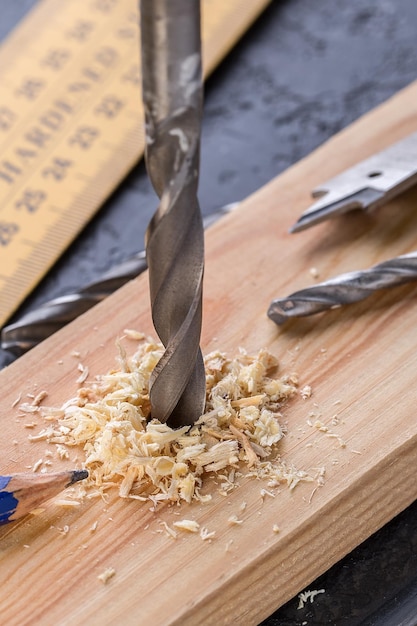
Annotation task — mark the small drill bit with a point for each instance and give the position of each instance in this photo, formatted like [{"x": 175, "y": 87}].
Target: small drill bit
[
  {"x": 173, "y": 98},
  {"x": 345, "y": 289},
  {"x": 45, "y": 320},
  {"x": 49, "y": 317}
]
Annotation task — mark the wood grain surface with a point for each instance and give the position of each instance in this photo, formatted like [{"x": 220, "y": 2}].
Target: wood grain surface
[{"x": 360, "y": 361}]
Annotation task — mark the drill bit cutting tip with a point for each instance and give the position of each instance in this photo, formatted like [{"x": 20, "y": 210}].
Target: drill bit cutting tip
[{"x": 173, "y": 98}]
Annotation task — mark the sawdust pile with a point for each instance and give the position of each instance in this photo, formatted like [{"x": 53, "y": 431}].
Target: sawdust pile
[{"x": 239, "y": 433}]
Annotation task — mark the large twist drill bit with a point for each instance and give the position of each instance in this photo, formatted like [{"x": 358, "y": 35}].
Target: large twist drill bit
[
  {"x": 345, "y": 289},
  {"x": 172, "y": 96}
]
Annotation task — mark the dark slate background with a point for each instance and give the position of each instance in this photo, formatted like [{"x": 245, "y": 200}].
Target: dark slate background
[{"x": 303, "y": 72}]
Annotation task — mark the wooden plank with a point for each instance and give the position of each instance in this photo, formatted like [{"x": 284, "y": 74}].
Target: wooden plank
[{"x": 360, "y": 362}]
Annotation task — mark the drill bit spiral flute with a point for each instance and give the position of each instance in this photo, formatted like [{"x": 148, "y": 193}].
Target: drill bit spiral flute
[
  {"x": 172, "y": 96},
  {"x": 345, "y": 288}
]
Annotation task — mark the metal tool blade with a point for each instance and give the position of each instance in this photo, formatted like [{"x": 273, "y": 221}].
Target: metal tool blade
[
  {"x": 345, "y": 289},
  {"x": 367, "y": 185}
]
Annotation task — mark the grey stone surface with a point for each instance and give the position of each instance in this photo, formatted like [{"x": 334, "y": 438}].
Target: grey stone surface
[{"x": 305, "y": 70}]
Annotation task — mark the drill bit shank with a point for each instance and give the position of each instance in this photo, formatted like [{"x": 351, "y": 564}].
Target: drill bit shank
[
  {"x": 172, "y": 95},
  {"x": 345, "y": 289}
]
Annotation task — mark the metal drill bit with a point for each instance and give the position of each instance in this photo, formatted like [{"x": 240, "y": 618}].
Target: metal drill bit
[
  {"x": 172, "y": 96},
  {"x": 52, "y": 315},
  {"x": 367, "y": 185},
  {"x": 345, "y": 289},
  {"x": 39, "y": 324}
]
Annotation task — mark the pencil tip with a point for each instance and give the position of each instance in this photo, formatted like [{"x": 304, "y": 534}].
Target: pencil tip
[{"x": 77, "y": 475}]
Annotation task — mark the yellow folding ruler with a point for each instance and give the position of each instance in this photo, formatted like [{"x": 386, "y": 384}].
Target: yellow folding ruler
[{"x": 71, "y": 122}]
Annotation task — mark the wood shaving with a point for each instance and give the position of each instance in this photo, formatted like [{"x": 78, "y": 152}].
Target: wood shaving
[
  {"x": 133, "y": 334},
  {"x": 187, "y": 525},
  {"x": 27, "y": 407},
  {"x": 62, "y": 452},
  {"x": 319, "y": 425},
  {"x": 265, "y": 492},
  {"x": 108, "y": 573},
  {"x": 37, "y": 465},
  {"x": 16, "y": 402},
  {"x": 38, "y": 398},
  {"x": 239, "y": 432},
  {"x": 206, "y": 535},
  {"x": 306, "y": 392},
  {"x": 321, "y": 472},
  {"x": 341, "y": 441},
  {"x": 323, "y": 428},
  {"x": 84, "y": 374},
  {"x": 305, "y": 596},
  {"x": 170, "y": 532},
  {"x": 228, "y": 545},
  {"x": 64, "y": 531}
]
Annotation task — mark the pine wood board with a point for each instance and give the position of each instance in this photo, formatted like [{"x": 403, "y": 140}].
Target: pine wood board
[{"x": 360, "y": 362}]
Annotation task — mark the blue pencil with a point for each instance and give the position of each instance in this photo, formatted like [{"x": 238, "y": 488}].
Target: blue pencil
[{"x": 21, "y": 493}]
